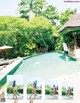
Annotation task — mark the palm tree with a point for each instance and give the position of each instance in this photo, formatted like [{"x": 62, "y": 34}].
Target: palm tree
[
  {"x": 28, "y": 7},
  {"x": 31, "y": 7}
]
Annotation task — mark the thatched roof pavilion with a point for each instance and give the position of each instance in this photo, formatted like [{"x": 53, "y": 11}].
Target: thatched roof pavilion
[
  {"x": 71, "y": 30},
  {"x": 72, "y": 24}
]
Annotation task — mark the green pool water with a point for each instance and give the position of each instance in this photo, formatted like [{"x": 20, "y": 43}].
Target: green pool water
[{"x": 47, "y": 66}]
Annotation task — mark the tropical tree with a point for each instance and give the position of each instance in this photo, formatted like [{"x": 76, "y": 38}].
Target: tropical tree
[
  {"x": 52, "y": 14},
  {"x": 63, "y": 18},
  {"x": 29, "y": 8},
  {"x": 43, "y": 33},
  {"x": 47, "y": 89},
  {"x": 66, "y": 15},
  {"x": 26, "y": 38}
]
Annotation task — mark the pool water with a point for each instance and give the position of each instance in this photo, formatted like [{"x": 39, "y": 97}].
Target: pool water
[
  {"x": 67, "y": 97},
  {"x": 10, "y": 96},
  {"x": 47, "y": 66},
  {"x": 51, "y": 97},
  {"x": 36, "y": 97}
]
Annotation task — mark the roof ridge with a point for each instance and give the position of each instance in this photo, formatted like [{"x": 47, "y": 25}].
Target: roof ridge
[{"x": 67, "y": 24}]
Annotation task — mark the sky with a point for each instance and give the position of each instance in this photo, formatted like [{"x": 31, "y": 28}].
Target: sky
[
  {"x": 21, "y": 81},
  {"x": 10, "y": 7},
  {"x": 31, "y": 80},
  {"x": 67, "y": 84},
  {"x": 52, "y": 82},
  {"x": 18, "y": 78},
  {"x": 62, "y": 6}
]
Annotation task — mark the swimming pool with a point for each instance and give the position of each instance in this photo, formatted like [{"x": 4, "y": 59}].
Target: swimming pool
[{"x": 47, "y": 66}]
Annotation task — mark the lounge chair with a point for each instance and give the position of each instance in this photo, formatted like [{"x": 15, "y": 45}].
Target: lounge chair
[{"x": 4, "y": 63}]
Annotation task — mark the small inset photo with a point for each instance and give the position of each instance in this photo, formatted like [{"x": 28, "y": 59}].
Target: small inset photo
[
  {"x": 67, "y": 91},
  {"x": 15, "y": 87},
  {"x": 51, "y": 89},
  {"x": 2, "y": 97},
  {"x": 34, "y": 89}
]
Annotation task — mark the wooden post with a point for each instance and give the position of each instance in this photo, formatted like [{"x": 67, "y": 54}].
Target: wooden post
[{"x": 75, "y": 41}]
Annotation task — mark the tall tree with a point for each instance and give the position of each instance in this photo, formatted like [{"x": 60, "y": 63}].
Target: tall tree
[
  {"x": 51, "y": 13},
  {"x": 65, "y": 16},
  {"x": 29, "y": 8}
]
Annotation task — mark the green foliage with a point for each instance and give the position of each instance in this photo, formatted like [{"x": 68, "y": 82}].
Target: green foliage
[
  {"x": 30, "y": 87},
  {"x": 43, "y": 40},
  {"x": 65, "y": 16},
  {"x": 19, "y": 88},
  {"x": 35, "y": 36},
  {"x": 64, "y": 91},
  {"x": 9, "y": 90},
  {"x": 17, "y": 35},
  {"x": 36, "y": 6},
  {"x": 51, "y": 13},
  {"x": 29, "y": 91},
  {"x": 43, "y": 33},
  {"x": 25, "y": 37},
  {"x": 39, "y": 8},
  {"x": 59, "y": 44},
  {"x": 47, "y": 89}
]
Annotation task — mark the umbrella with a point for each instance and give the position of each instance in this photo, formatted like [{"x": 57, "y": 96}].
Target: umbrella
[{"x": 5, "y": 47}]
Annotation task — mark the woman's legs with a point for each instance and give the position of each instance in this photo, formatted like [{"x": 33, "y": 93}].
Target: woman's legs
[{"x": 14, "y": 92}]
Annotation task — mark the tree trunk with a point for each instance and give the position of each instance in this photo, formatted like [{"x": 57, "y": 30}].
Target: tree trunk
[
  {"x": 75, "y": 42},
  {"x": 31, "y": 15}
]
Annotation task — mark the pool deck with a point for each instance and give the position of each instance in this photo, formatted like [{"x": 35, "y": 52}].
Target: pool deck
[
  {"x": 7, "y": 69},
  {"x": 71, "y": 55}
]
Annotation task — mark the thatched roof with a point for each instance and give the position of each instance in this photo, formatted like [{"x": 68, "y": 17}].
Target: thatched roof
[{"x": 73, "y": 22}]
